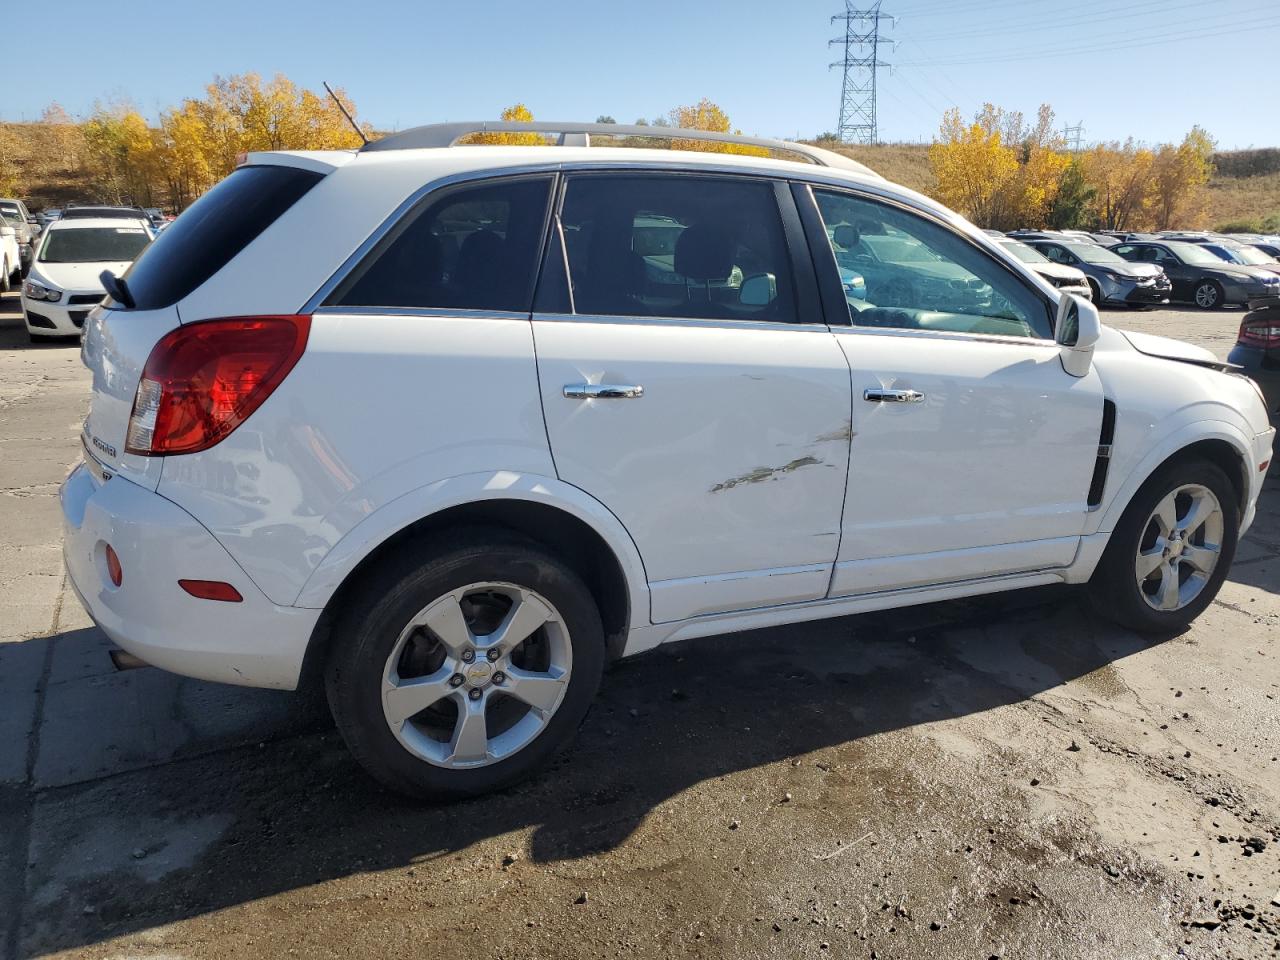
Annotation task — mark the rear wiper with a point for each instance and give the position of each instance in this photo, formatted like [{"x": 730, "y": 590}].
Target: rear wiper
[{"x": 117, "y": 288}]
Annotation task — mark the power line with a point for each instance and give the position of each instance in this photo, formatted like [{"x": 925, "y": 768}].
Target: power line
[
  {"x": 1147, "y": 40},
  {"x": 861, "y": 63}
]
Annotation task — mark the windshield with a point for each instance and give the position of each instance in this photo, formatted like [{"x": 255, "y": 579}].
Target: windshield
[
  {"x": 1253, "y": 256},
  {"x": 93, "y": 245},
  {"x": 1092, "y": 253},
  {"x": 1224, "y": 253},
  {"x": 11, "y": 215},
  {"x": 1024, "y": 253},
  {"x": 1194, "y": 254}
]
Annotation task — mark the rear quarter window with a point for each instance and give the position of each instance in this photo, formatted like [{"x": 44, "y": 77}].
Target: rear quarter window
[{"x": 212, "y": 231}]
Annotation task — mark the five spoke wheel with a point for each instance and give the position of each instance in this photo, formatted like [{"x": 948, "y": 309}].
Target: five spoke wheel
[
  {"x": 476, "y": 674},
  {"x": 1180, "y": 547}
]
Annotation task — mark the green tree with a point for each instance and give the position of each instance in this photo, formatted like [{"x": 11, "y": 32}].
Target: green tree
[{"x": 1070, "y": 207}]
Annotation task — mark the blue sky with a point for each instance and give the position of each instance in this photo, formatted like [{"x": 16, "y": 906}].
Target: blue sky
[{"x": 1143, "y": 68}]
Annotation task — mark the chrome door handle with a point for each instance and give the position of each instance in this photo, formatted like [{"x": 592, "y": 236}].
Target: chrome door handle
[
  {"x": 893, "y": 396},
  {"x": 603, "y": 391}
]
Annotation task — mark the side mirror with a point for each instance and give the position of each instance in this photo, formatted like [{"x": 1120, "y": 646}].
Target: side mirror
[
  {"x": 759, "y": 290},
  {"x": 32, "y": 220},
  {"x": 1076, "y": 330}
]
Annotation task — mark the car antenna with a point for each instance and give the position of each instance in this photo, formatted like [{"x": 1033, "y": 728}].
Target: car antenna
[{"x": 355, "y": 126}]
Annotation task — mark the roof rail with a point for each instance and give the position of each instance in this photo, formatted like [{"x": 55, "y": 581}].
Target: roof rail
[{"x": 579, "y": 135}]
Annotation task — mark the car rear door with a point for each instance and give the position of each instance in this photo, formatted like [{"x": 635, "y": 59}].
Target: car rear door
[
  {"x": 690, "y": 384},
  {"x": 972, "y": 448}
]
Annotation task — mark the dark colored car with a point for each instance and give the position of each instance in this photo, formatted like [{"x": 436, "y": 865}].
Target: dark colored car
[
  {"x": 1113, "y": 279},
  {"x": 1257, "y": 350},
  {"x": 104, "y": 210},
  {"x": 1201, "y": 277}
]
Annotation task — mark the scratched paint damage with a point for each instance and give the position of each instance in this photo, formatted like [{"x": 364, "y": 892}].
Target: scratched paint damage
[
  {"x": 761, "y": 474},
  {"x": 844, "y": 433}
]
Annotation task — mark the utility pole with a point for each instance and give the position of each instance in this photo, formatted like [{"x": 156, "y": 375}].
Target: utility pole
[
  {"x": 1074, "y": 136},
  {"x": 861, "y": 42}
]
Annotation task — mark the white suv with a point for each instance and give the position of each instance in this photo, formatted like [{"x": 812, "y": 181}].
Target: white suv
[{"x": 454, "y": 425}]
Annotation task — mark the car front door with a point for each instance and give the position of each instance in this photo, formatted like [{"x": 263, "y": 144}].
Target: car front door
[
  {"x": 690, "y": 384},
  {"x": 972, "y": 448}
]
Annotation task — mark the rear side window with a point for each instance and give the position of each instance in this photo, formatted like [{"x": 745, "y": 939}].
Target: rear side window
[
  {"x": 473, "y": 248},
  {"x": 213, "y": 230},
  {"x": 675, "y": 246}
]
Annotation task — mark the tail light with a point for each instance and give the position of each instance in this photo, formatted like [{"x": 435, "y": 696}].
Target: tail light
[
  {"x": 1261, "y": 331},
  {"x": 203, "y": 380}
]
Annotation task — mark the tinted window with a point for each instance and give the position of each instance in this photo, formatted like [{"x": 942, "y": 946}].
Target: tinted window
[
  {"x": 904, "y": 271},
  {"x": 212, "y": 231},
  {"x": 474, "y": 248},
  {"x": 93, "y": 245},
  {"x": 676, "y": 246}
]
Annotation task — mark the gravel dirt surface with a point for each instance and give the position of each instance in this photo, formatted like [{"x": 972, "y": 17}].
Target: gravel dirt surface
[{"x": 1006, "y": 777}]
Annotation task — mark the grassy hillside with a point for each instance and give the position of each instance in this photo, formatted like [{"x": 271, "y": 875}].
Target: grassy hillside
[{"x": 1245, "y": 190}]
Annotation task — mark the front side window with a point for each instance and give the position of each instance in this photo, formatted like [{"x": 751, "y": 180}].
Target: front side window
[
  {"x": 677, "y": 246},
  {"x": 919, "y": 275},
  {"x": 94, "y": 245},
  {"x": 472, "y": 248}
]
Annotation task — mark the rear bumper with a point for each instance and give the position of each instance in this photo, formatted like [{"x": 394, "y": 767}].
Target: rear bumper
[
  {"x": 1264, "y": 371},
  {"x": 253, "y": 643}
]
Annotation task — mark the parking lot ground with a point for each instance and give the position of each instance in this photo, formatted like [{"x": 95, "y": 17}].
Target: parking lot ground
[{"x": 1005, "y": 777}]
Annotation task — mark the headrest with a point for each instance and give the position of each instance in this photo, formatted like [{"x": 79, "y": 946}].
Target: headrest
[{"x": 704, "y": 252}]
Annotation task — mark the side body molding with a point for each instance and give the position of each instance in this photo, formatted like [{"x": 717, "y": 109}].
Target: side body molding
[{"x": 432, "y": 498}]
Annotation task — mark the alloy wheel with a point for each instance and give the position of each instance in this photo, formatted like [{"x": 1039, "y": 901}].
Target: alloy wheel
[
  {"x": 476, "y": 675},
  {"x": 1180, "y": 547},
  {"x": 1206, "y": 295}
]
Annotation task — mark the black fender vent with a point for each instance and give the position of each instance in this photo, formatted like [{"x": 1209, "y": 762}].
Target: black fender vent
[{"x": 1105, "y": 438}]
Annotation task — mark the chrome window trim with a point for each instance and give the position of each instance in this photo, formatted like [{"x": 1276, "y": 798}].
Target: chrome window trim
[
  {"x": 460, "y": 312},
  {"x": 713, "y": 323},
  {"x": 318, "y": 298},
  {"x": 958, "y": 335}
]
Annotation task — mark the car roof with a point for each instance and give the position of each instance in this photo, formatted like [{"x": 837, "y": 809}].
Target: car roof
[
  {"x": 437, "y": 163},
  {"x": 86, "y": 222}
]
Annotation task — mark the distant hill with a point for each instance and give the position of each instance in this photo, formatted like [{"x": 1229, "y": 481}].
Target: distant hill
[{"x": 1244, "y": 192}]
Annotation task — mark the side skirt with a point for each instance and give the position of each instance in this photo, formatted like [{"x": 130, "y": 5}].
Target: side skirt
[{"x": 648, "y": 637}]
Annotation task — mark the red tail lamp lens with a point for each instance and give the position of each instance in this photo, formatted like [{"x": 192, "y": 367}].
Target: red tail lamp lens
[
  {"x": 114, "y": 570},
  {"x": 204, "y": 379},
  {"x": 211, "y": 590}
]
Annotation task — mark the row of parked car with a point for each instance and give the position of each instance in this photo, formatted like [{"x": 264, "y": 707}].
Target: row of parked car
[
  {"x": 21, "y": 230},
  {"x": 71, "y": 250},
  {"x": 1139, "y": 269}
]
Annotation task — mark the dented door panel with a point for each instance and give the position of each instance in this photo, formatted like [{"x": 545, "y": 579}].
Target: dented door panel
[{"x": 729, "y": 471}]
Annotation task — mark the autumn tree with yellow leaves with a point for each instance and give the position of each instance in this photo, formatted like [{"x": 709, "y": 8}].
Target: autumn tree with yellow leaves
[{"x": 1004, "y": 173}]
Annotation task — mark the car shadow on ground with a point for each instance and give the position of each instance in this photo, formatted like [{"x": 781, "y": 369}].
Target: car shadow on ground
[{"x": 288, "y": 813}]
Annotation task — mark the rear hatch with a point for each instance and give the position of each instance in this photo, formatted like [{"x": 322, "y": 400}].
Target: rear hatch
[{"x": 119, "y": 336}]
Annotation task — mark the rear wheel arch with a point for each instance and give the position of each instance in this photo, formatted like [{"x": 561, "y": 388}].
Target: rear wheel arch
[{"x": 567, "y": 536}]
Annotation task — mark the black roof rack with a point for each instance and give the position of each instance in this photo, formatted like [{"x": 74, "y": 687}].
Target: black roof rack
[{"x": 580, "y": 134}]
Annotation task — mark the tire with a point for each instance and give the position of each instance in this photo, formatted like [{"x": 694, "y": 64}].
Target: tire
[
  {"x": 1116, "y": 590},
  {"x": 6, "y": 281},
  {"x": 1208, "y": 295},
  {"x": 1097, "y": 292},
  {"x": 433, "y": 753}
]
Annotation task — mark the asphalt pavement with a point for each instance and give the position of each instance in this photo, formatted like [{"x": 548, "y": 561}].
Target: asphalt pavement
[{"x": 1003, "y": 777}]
